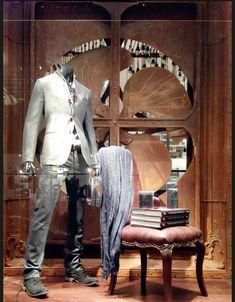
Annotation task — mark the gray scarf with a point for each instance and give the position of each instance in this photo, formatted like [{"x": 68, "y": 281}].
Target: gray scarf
[{"x": 116, "y": 202}]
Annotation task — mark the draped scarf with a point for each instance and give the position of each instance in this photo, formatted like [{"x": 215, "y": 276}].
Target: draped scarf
[{"x": 115, "y": 203}]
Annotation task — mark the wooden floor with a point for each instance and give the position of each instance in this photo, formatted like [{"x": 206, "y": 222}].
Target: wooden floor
[
  {"x": 184, "y": 290},
  {"x": 185, "y": 287}
]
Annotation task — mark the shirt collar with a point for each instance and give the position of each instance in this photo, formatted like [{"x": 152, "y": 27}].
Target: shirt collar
[{"x": 62, "y": 77}]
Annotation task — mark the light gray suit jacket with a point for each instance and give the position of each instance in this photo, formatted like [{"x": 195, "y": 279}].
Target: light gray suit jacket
[{"x": 50, "y": 99}]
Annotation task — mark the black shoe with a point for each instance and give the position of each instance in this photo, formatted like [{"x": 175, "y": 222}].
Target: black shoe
[
  {"x": 34, "y": 287},
  {"x": 80, "y": 276}
]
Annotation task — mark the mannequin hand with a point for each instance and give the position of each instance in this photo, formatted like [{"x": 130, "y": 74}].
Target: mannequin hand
[
  {"x": 94, "y": 170},
  {"x": 27, "y": 169}
]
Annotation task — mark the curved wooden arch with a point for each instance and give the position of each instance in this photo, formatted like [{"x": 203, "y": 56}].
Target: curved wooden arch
[{"x": 157, "y": 91}]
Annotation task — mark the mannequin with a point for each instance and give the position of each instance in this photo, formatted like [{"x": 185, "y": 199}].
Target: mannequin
[{"x": 66, "y": 156}]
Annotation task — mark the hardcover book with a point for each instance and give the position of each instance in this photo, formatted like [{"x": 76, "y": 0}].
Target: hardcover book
[
  {"x": 159, "y": 224},
  {"x": 174, "y": 217},
  {"x": 160, "y": 211}
]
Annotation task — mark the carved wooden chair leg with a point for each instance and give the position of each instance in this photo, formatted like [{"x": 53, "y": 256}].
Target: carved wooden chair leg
[
  {"x": 143, "y": 257},
  {"x": 112, "y": 283},
  {"x": 199, "y": 266},
  {"x": 167, "y": 265}
]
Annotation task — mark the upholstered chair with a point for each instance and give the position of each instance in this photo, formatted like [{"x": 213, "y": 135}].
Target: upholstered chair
[{"x": 163, "y": 240}]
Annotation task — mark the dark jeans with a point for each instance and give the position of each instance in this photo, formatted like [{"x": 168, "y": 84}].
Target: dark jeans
[{"x": 74, "y": 172}]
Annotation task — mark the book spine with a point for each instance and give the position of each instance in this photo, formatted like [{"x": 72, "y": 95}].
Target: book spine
[
  {"x": 174, "y": 223},
  {"x": 175, "y": 217},
  {"x": 158, "y": 225},
  {"x": 157, "y": 213},
  {"x": 169, "y": 213},
  {"x": 141, "y": 217}
]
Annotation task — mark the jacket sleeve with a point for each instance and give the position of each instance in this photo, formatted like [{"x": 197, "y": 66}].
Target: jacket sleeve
[
  {"x": 89, "y": 127},
  {"x": 32, "y": 122}
]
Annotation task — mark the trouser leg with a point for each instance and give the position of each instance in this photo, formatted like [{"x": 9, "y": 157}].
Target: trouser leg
[
  {"x": 48, "y": 192},
  {"x": 75, "y": 190},
  {"x": 73, "y": 241}
]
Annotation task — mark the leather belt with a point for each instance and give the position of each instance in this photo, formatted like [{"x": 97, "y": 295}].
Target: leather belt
[{"x": 75, "y": 148}]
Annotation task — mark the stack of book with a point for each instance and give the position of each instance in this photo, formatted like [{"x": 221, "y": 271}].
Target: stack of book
[{"x": 159, "y": 218}]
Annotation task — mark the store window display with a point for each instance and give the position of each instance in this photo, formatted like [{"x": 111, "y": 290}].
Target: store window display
[{"x": 68, "y": 153}]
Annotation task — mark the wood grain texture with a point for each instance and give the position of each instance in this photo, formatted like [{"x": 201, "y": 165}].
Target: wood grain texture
[
  {"x": 50, "y": 45},
  {"x": 93, "y": 68},
  {"x": 127, "y": 290},
  {"x": 176, "y": 42},
  {"x": 157, "y": 91}
]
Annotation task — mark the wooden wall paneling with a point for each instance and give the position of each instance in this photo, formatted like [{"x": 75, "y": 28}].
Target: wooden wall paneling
[
  {"x": 50, "y": 46},
  {"x": 17, "y": 225},
  {"x": 54, "y": 37},
  {"x": 171, "y": 45},
  {"x": 16, "y": 85},
  {"x": 114, "y": 84},
  {"x": 215, "y": 240},
  {"x": 228, "y": 135},
  {"x": 213, "y": 135},
  {"x": 13, "y": 76},
  {"x": 163, "y": 34}
]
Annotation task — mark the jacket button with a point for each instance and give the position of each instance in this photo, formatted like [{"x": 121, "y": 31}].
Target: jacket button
[{"x": 71, "y": 119}]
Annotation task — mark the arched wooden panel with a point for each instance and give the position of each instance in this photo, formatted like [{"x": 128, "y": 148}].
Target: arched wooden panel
[
  {"x": 157, "y": 91},
  {"x": 55, "y": 37},
  {"x": 173, "y": 31}
]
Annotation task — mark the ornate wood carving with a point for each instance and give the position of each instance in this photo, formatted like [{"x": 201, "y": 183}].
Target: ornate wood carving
[
  {"x": 213, "y": 136},
  {"x": 15, "y": 247}
]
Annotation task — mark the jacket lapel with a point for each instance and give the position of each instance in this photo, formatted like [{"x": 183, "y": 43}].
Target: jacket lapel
[
  {"x": 63, "y": 81},
  {"x": 78, "y": 91},
  {"x": 66, "y": 88}
]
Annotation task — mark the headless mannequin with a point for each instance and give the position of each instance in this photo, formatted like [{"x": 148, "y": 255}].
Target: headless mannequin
[{"x": 65, "y": 158}]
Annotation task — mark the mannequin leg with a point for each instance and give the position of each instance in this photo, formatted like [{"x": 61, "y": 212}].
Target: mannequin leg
[
  {"x": 48, "y": 192},
  {"x": 73, "y": 242},
  {"x": 75, "y": 181}
]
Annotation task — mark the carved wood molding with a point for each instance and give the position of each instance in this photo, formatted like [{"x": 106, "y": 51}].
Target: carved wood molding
[{"x": 15, "y": 247}]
